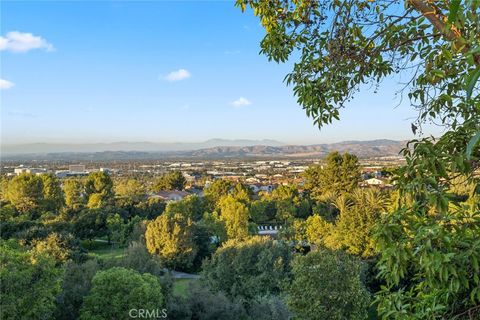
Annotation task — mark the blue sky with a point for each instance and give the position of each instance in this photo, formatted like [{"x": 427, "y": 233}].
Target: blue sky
[{"x": 103, "y": 71}]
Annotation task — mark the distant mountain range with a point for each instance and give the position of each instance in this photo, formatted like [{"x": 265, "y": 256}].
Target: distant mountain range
[
  {"x": 211, "y": 149},
  {"x": 42, "y": 148}
]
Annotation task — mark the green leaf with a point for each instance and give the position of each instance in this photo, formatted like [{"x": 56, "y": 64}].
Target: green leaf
[
  {"x": 471, "y": 144},
  {"x": 472, "y": 80},
  {"x": 454, "y": 6}
]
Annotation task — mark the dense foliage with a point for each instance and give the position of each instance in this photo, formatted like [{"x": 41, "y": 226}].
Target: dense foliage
[
  {"x": 327, "y": 285},
  {"x": 30, "y": 283},
  {"x": 170, "y": 236},
  {"x": 116, "y": 291},
  {"x": 344, "y": 45},
  {"x": 249, "y": 268}
]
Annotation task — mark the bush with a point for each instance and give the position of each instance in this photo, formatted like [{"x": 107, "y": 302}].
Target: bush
[
  {"x": 202, "y": 304},
  {"x": 256, "y": 266},
  {"x": 326, "y": 285},
  {"x": 116, "y": 291},
  {"x": 76, "y": 284},
  {"x": 30, "y": 283},
  {"x": 269, "y": 308}
]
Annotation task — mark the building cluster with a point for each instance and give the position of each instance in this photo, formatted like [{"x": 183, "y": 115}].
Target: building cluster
[
  {"x": 74, "y": 170},
  {"x": 259, "y": 175}
]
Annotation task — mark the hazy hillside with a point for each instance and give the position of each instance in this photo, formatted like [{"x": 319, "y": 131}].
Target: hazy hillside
[{"x": 362, "y": 149}]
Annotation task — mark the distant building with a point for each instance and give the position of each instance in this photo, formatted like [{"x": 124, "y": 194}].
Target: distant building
[
  {"x": 374, "y": 182},
  {"x": 269, "y": 230},
  {"x": 257, "y": 188},
  {"x": 21, "y": 170},
  {"x": 73, "y": 168},
  {"x": 18, "y": 171},
  {"x": 173, "y": 195}
]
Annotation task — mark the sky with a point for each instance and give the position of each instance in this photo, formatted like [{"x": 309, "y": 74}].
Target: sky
[{"x": 160, "y": 71}]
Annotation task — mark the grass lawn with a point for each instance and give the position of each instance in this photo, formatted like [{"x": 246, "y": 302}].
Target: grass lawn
[
  {"x": 103, "y": 250},
  {"x": 108, "y": 253},
  {"x": 180, "y": 286}
]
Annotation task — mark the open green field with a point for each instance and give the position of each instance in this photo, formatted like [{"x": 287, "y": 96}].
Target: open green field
[
  {"x": 103, "y": 250},
  {"x": 108, "y": 253},
  {"x": 180, "y": 286}
]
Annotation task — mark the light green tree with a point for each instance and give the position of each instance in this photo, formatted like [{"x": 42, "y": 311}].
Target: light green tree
[
  {"x": 216, "y": 190},
  {"x": 25, "y": 192},
  {"x": 170, "y": 236},
  {"x": 30, "y": 283},
  {"x": 235, "y": 215},
  {"x": 130, "y": 191},
  {"x": 99, "y": 189},
  {"x": 53, "y": 197},
  {"x": 116, "y": 291},
  {"x": 74, "y": 191}
]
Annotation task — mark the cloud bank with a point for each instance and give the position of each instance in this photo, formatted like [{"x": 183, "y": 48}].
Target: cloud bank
[{"x": 16, "y": 41}]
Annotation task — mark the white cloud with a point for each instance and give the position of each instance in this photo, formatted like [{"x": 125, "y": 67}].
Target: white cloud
[
  {"x": 241, "y": 102},
  {"x": 5, "y": 84},
  {"x": 178, "y": 75},
  {"x": 15, "y": 41}
]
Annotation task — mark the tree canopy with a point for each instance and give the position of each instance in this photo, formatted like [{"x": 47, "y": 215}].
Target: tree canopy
[
  {"x": 170, "y": 236},
  {"x": 116, "y": 291},
  {"x": 30, "y": 283},
  {"x": 254, "y": 267},
  {"x": 343, "y": 47},
  {"x": 326, "y": 285},
  {"x": 340, "y": 174}
]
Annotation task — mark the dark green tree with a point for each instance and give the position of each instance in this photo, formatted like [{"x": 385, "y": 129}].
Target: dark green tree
[
  {"x": 171, "y": 181},
  {"x": 76, "y": 284},
  {"x": 326, "y": 285},
  {"x": 254, "y": 267},
  {"x": 53, "y": 197}
]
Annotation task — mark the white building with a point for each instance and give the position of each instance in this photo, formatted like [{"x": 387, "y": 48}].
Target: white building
[{"x": 76, "y": 168}]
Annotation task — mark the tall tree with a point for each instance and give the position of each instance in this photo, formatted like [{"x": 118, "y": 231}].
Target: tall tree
[
  {"x": 326, "y": 285},
  {"x": 216, "y": 190},
  {"x": 25, "y": 192},
  {"x": 343, "y": 45},
  {"x": 235, "y": 215},
  {"x": 171, "y": 181},
  {"x": 116, "y": 291},
  {"x": 74, "y": 191},
  {"x": 76, "y": 284},
  {"x": 130, "y": 191},
  {"x": 170, "y": 236},
  {"x": 53, "y": 196},
  {"x": 30, "y": 283},
  {"x": 99, "y": 189},
  {"x": 340, "y": 174},
  {"x": 257, "y": 266}
]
